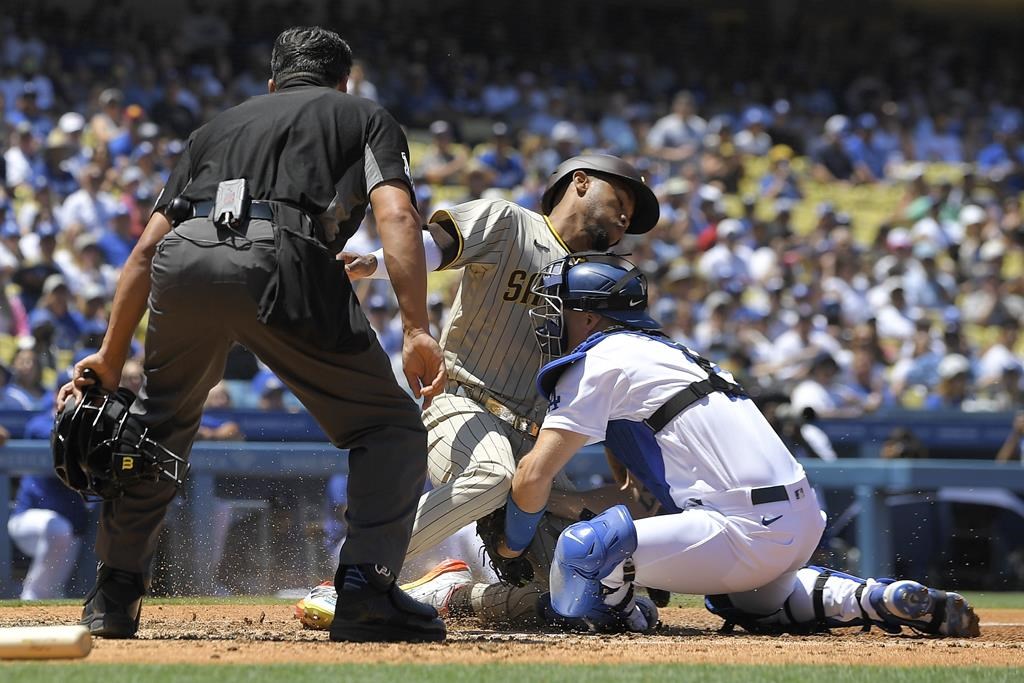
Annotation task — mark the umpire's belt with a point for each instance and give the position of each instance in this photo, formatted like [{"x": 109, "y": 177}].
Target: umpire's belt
[
  {"x": 495, "y": 408},
  {"x": 278, "y": 213},
  {"x": 746, "y": 498}
]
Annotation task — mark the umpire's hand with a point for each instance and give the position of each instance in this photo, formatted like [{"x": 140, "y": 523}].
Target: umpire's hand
[
  {"x": 423, "y": 363},
  {"x": 103, "y": 373}
]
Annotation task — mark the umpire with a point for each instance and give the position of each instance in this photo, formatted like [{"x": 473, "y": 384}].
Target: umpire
[{"x": 240, "y": 248}]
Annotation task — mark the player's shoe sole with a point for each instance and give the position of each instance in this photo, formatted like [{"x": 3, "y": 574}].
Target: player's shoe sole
[
  {"x": 436, "y": 587},
  {"x": 443, "y": 568}
]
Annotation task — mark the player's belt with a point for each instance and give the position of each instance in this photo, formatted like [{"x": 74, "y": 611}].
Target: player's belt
[
  {"x": 500, "y": 411},
  {"x": 744, "y": 498}
]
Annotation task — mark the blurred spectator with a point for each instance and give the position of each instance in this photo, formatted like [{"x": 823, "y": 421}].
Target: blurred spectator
[
  {"x": 728, "y": 259},
  {"x": 117, "y": 242},
  {"x": 1011, "y": 448},
  {"x": 269, "y": 391},
  {"x": 105, "y": 124},
  {"x": 502, "y": 158},
  {"x": 954, "y": 385},
  {"x": 381, "y": 316},
  {"x": 22, "y": 160},
  {"x": 902, "y": 443},
  {"x": 88, "y": 209},
  {"x": 56, "y": 307},
  {"x": 27, "y": 379},
  {"x": 444, "y": 160},
  {"x": 822, "y": 393},
  {"x": 1000, "y": 355},
  {"x": 358, "y": 84},
  {"x": 832, "y": 162},
  {"x": 132, "y": 376},
  {"x": 215, "y": 428},
  {"x": 677, "y": 136},
  {"x": 780, "y": 182}
]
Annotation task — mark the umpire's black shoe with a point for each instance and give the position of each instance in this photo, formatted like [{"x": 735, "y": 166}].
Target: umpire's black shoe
[
  {"x": 372, "y": 608},
  {"x": 114, "y": 604}
]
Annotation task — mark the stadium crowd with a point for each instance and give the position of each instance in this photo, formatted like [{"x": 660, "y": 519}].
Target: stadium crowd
[{"x": 842, "y": 223}]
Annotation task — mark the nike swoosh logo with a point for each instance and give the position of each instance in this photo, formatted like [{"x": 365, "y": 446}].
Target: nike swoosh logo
[
  {"x": 635, "y": 303},
  {"x": 540, "y": 246},
  {"x": 770, "y": 520}
]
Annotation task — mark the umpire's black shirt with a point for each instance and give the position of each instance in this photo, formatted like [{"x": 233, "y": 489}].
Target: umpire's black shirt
[{"x": 306, "y": 144}]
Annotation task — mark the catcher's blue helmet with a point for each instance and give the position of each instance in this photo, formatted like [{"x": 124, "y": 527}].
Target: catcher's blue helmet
[{"x": 591, "y": 282}]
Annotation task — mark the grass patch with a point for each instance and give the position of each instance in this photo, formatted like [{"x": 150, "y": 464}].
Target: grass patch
[{"x": 513, "y": 673}]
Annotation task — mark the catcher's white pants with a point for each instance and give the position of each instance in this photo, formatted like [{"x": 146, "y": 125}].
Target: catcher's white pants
[
  {"x": 756, "y": 555},
  {"x": 50, "y": 541}
]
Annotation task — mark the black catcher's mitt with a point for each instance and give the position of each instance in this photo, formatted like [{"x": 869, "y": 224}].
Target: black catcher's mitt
[{"x": 491, "y": 529}]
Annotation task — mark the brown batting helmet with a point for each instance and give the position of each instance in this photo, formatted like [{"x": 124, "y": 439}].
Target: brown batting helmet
[{"x": 646, "y": 213}]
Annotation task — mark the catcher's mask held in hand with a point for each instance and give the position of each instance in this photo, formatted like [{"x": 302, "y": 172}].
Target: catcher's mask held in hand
[
  {"x": 593, "y": 282},
  {"x": 99, "y": 448}
]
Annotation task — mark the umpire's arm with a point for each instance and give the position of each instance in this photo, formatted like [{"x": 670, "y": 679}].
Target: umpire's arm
[
  {"x": 130, "y": 300},
  {"x": 531, "y": 485}
]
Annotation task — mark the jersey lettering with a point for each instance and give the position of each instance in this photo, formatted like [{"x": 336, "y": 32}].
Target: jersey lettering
[
  {"x": 519, "y": 288},
  {"x": 514, "y": 288}
]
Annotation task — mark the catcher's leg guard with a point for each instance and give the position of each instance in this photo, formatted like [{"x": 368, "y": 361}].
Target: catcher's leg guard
[
  {"x": 586, "y": 553},
  {"x": 808, "y": 609}
]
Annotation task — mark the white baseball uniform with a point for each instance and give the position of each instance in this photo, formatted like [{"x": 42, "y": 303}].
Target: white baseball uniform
[{"x": 712, "y": 465}]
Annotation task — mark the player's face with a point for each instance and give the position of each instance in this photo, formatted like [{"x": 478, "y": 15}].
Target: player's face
[
  {"x": 578, "y": 326},
  {"x": 610, "y": 206}
]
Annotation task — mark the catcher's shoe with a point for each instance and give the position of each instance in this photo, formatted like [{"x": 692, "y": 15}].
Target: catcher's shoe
[
  {"x": 926, "y": 610},
  {"x": 316, "y": 610},
  {"x": 638, "y": 615},
  {"x": 114, "y": 605},
  {"x": 372, "y": 608},
  {"x": 437, "y": 586}
]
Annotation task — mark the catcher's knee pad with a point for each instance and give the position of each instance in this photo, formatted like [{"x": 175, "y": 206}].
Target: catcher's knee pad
[{"x": 587, "y": 552}]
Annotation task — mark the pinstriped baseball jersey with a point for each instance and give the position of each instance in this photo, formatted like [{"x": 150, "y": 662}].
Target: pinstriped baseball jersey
[{"x": 488, "y": 341}]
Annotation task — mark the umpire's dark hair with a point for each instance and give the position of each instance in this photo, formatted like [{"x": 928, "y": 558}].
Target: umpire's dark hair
[{"x": 310, "y": 51}]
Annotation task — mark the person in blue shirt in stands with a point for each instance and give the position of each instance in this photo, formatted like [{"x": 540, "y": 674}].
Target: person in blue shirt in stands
[{"x": 48, "y": 523}]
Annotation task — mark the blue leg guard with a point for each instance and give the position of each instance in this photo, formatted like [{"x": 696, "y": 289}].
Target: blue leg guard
[
  {"x": 784, "y": 621},
  {"x": 586, "y": 553}
]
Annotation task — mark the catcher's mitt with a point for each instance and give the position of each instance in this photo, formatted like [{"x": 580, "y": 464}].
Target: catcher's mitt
[{"x": 516, "y": 571}]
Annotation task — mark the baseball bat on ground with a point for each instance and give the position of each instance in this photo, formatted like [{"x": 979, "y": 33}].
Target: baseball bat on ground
[{"x": 45, "y": 642}]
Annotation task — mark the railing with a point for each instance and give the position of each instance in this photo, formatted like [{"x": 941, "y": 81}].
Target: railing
[{"x": 870, "y": 480}]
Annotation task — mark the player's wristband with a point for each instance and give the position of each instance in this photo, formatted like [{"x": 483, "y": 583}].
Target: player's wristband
[
  {"x": 431, "y": 252},
  {"x": 520, "y": 526}
]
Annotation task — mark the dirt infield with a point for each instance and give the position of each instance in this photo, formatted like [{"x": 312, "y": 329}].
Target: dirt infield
[{"x": 258, "y": 634}]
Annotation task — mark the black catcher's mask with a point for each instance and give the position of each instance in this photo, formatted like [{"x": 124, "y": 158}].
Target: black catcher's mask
[{"x": 99, "y": 448}]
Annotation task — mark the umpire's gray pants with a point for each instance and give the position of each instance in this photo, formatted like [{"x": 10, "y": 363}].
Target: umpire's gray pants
[{"x": 204, "y": 298}]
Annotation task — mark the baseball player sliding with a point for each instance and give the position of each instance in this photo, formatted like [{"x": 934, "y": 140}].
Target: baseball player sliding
[
  {"x": 744, "y": 519},
  {"x": 490, "y": 414}
]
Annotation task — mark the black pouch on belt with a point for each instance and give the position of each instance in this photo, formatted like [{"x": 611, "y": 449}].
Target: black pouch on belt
[{"x": 309, "y": 295}]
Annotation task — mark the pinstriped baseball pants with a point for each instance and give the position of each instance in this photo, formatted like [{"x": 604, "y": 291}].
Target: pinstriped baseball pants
[{"x": 471, "y": 459}]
